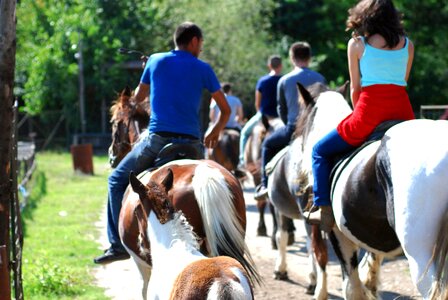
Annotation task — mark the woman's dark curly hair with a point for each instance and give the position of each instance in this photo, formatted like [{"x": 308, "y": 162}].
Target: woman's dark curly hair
[{"x": 370, "y": 17}]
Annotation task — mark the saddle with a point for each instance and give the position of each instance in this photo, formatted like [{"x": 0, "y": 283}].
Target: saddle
[
  {"x": 178, "y": 150},
  {"x": 341, "y": 162}
]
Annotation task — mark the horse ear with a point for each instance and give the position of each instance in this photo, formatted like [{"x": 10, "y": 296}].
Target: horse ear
[
  {"x": 304, "y": 95},
  {"x": 137, "y": 185},
  {"x": 126, "y": 92},
  {"x": 343, "y": 89},
  {"x": 167, "y": 182}
]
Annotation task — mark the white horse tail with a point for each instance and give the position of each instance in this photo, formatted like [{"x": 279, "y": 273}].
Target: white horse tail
[
  {"x": 439, "y": 289},
  {"x": 225, "y": 235}
]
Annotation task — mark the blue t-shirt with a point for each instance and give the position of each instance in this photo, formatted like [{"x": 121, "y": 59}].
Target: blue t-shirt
[
  {"x": 176, "y": 80},
  {"x": 288, "y": 94},
  {"x": 234, "y": 103},
  {"x": 267, "y": 86}
]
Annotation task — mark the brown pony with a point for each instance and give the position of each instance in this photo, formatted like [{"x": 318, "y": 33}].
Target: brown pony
[
  {"x": 129, "y": 120},
  {"x": 179, "y": 270},
  {"x": 213, "y": 203},
  {"x": 226, "y": 152}
]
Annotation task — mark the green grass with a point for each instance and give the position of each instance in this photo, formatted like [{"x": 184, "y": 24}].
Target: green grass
[{"x": 60, "y": 235}]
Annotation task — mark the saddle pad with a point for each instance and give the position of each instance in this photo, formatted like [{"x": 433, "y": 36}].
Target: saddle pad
[{"x": 376, "y": 135}]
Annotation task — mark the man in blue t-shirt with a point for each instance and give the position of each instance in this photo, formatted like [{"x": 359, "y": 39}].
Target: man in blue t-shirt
[
  {"x": 265, "y": 100},
  {"x": 236, "y": 108},
  {"x": 174, "y": 81},
  {"x": 287, "y": 106}
]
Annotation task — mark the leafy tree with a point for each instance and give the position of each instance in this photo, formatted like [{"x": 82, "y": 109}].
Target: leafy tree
[{"x": 237, "y": 41}]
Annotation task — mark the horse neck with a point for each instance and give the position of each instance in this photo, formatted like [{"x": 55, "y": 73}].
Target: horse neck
[
  {"x": 175, "y": 235},
  {"x": 331, "y": 109}
]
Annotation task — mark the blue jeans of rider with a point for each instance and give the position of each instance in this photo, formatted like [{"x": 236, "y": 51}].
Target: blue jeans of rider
[
  {"x": 272, "y": 145},
  {"x": 323, "y": 154},
  {"x": 141, "y": 157}
]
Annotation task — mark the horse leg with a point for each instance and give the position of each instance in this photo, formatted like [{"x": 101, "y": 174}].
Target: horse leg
[
  {"x": 274, "y": 226},
  {"x": 280, "y": 272},
  {"x": 369, "y": 271},
  {"x": 145, "y": 272},
  {"x": 291, "y": 229},
  {"x": 347, "y": 253},
  {"x": 261, "y": 230},
  {"x": 318, "y": 259}
]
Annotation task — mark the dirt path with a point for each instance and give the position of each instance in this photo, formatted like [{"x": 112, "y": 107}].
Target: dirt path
[{"x": 122, "y": 281}]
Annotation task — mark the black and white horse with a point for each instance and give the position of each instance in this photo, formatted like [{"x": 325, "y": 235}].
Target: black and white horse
[{"x": 390, "y": 198}]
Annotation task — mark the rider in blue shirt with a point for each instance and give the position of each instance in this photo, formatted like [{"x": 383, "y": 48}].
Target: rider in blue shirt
[
  {"x": 265, "y": 101},
  {"x": 174, "y": 81}
]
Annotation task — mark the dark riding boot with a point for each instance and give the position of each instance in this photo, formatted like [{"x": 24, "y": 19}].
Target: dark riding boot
[
  {"x": 323, "y": 217},
  {"x": 111, "y": 255}
]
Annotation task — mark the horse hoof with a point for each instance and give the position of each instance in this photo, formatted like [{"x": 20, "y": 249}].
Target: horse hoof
[
  {"x": 310, "y": 289},
  {"x": 262, "y": 231},
  {"x": 290, "y": 238},
  {"x": 281, "y": 275}
]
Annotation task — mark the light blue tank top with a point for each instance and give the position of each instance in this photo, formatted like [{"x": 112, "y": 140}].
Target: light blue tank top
[{"x": 380, "y": 66}]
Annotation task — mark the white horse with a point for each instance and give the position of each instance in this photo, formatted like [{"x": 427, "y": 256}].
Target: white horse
[
  {"x": 391, "y": 197},
  {"x": 180, "y": 270}
]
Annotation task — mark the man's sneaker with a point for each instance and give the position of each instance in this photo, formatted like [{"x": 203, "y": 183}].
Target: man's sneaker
[
  {"x": 261, "y": 192},
  {"x": 111, "y": 255}
]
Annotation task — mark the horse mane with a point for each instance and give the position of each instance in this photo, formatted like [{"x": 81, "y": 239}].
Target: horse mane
[
  {"x": 308, "y": 111},
  {"x": 119, "y": 111},
  {"x": 183, "y": 232},
  {"x": 124, "y": 107}
]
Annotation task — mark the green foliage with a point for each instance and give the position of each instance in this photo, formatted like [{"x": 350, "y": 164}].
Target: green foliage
[
  {"x": 239, "y": 36},
  {"x": 237, "y": 39},
  {"x": 426, "y": 23},
  {"x": 48, "y": 279},
  {"x": 322, "y": 24}
]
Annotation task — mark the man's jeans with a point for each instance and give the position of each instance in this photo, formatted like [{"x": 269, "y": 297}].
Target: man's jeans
[
  {"x": 279, "y": 139},
  {"x": 140, "y": 158}
]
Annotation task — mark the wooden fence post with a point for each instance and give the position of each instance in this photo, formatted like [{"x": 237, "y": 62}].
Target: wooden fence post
[{"x": 7, "y": 66}]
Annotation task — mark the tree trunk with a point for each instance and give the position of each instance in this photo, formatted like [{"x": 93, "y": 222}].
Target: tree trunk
[{"x": 7, "y": 65}]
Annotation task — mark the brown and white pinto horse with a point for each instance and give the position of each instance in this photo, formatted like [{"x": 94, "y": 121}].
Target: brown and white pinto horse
[
  {"x": 180, "y": 270},
  {"x": 129, "y": 120},
  {"x": 212, "y": 201}
]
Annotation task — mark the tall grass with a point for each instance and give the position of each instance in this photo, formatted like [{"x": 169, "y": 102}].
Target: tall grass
[{"x": 60, "y": 236}]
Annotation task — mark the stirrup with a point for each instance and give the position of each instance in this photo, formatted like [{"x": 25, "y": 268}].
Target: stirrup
[{"x": 308, "y": 213}]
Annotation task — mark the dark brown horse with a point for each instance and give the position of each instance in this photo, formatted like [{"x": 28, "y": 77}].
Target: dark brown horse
[
  {"x": 129, "y": 120},
  {"x": 227, "y": 151},
  {"x": 213, "y": 203}
]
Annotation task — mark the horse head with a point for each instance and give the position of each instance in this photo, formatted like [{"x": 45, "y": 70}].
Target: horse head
[
  {"x": 128, "y": 120},
  {"x": 153, "y": 197}
]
